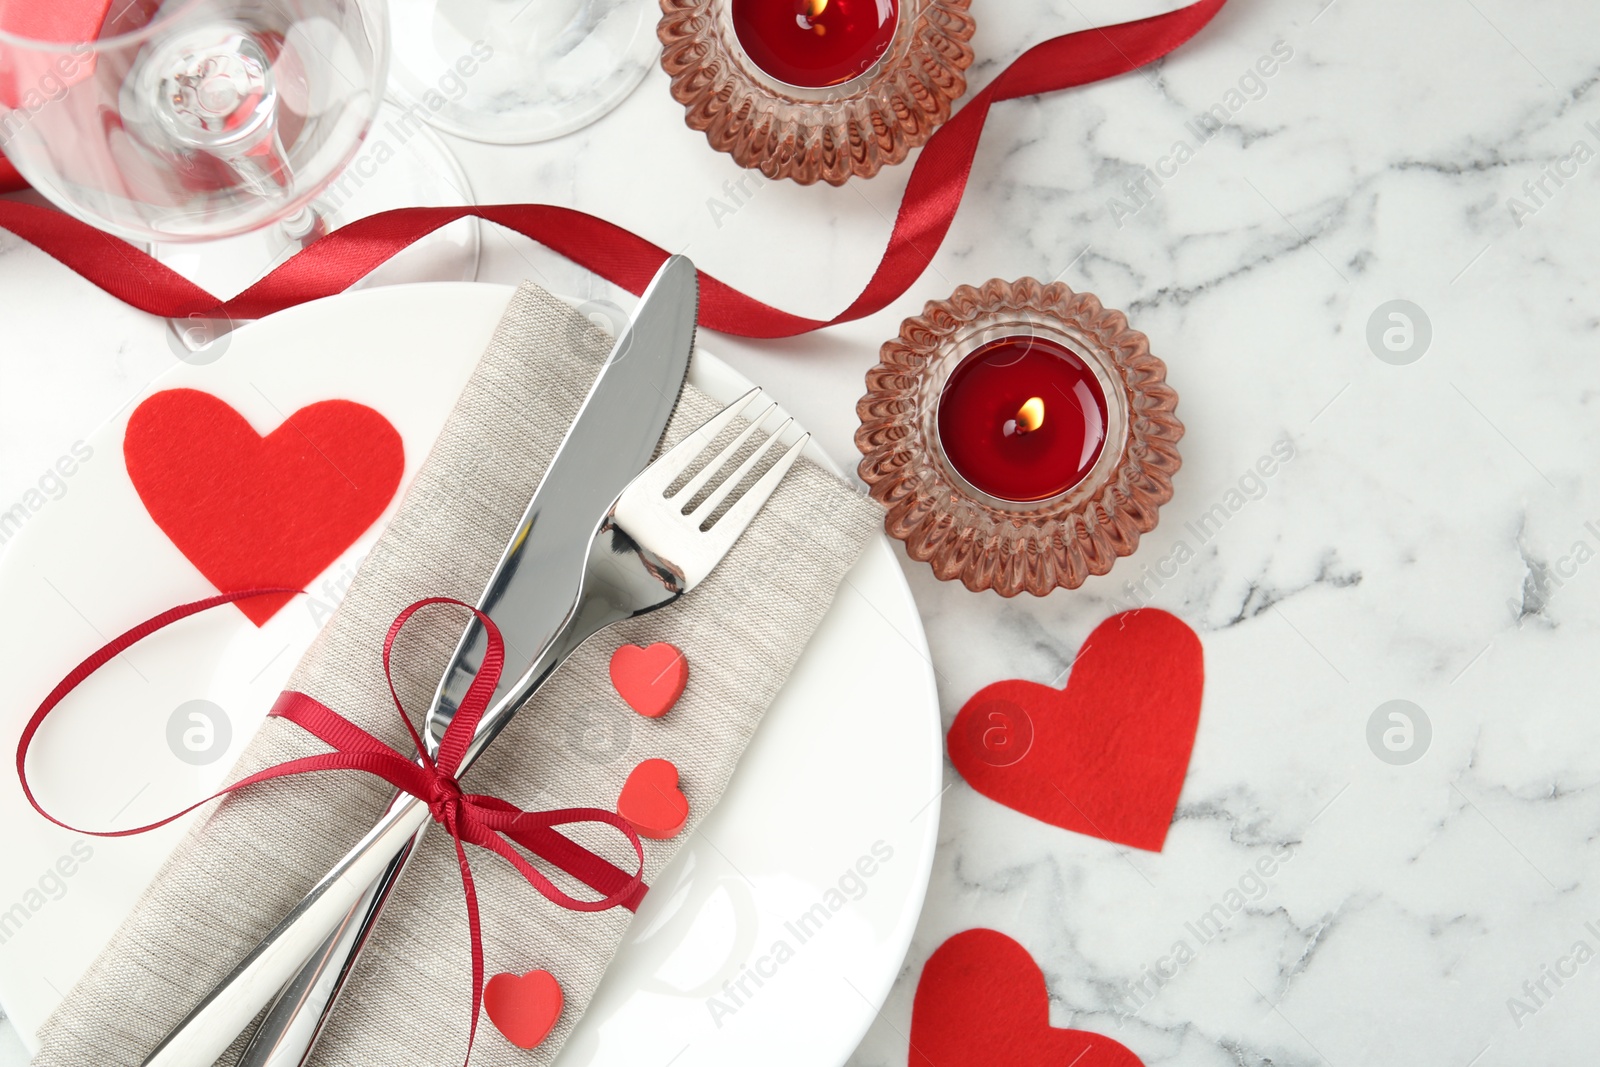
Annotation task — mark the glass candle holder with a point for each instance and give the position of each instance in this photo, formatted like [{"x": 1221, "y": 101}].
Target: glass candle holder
[
  {"x": 1022, "y": 436},
  {"x": 816, "y": 90}
]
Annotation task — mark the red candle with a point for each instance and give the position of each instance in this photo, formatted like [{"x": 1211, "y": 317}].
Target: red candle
[
  {"x": 1022, "y": 419},
  {"x": 815, "y": 43}
]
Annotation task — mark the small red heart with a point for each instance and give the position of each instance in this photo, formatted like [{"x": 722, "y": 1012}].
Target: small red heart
[
  {"x": 982, "y": 999},
  {"x": 652, "y": 801},
  {"x": 1107, "y": 755},
  {"x": 523, "y": 1007},
  {"x": 650, "y": 679},
  {"x": 251, "y": 511}
]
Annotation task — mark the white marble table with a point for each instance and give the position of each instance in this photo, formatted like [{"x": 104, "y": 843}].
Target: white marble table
[{"x": 1428, "y": 542}]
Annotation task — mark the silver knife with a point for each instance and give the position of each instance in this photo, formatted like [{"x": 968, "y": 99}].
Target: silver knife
[{"x": 530, "y": 594}]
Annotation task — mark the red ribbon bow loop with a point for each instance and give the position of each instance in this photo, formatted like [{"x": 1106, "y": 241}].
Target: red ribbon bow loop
[{"x": 470, "y": 818}]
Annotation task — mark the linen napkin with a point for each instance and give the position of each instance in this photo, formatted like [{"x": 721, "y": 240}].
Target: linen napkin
[{"x": 237, "y": 872}]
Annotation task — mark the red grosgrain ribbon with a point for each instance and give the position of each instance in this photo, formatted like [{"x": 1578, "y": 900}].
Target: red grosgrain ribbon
[
  {"x": 336, "y": 261},
  {"x": 471, "y": 818}
]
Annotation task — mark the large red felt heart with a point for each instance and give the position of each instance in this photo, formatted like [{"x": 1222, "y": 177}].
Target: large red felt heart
[
  {"x": 254, "y": 512},
  {"x": 524, "y": 1007},
  {"x": 650, "y": 679},
  {"x": 982, "y": 999},
  {"x": 652, "y": 801},
  {"x": 1107, "y": 755}
]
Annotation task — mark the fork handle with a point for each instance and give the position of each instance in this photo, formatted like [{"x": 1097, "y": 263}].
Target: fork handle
[
  {"x": 289, "y": 1030},
  {"x": 225, "y": 1013}
]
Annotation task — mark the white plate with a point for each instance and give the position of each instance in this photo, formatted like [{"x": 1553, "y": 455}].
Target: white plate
[{"x": 855, "y": 732}]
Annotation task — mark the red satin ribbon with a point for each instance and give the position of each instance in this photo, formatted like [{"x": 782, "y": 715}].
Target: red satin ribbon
[
  {"x": 338, "y": 260},
  {"x": 471, "y": 818}
]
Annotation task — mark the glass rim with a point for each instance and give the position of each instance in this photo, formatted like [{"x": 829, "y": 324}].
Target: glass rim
[
  {"x": 1020, "y": 322},
  {"x": 167, "y": 14},
  {"x": 820, "y": 94}
]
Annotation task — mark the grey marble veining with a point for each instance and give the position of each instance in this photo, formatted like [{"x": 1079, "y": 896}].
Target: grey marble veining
[{"x": 1432, "y": 539}]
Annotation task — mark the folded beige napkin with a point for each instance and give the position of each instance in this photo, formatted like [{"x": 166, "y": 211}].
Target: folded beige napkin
[{"x": 248, "y": 862}]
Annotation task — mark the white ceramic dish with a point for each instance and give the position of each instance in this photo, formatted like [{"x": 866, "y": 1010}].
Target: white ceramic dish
[{"x": 854, "y": 734}]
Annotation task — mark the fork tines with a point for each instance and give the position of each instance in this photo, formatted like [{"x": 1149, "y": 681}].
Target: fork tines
[
  {"x": 689, "y": 453},
  {"x": 688, "y": 525}
]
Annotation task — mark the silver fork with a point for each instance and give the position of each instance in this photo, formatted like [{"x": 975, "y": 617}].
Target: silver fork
[{"x": 652, "y": 549}]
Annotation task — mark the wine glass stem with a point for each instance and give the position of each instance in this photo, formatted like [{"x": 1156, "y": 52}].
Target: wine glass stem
[{"x": 305, "y": 227}]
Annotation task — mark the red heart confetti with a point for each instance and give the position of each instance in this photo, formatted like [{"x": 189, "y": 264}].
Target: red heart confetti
[
  {"x": 523, "y": 1007},
  {"x": 652, "y": 801},
  {"x": 254, "y": 512},
  {"x": 1107, "y": 755},
  {"x": 982, "y": 999},
  {"x": 650, "y": 679}
]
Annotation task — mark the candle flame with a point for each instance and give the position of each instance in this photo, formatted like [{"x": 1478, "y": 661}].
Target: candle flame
[
  {"x": 812, "y": 8},
  {"x": 1030, "y": 416}
]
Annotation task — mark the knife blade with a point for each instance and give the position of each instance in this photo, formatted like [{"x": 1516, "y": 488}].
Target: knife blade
[
  {"x": 616, "y": 432},
  {"x": 530, "y": 593}
]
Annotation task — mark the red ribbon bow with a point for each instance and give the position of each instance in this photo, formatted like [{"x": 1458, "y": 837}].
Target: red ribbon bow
[
  {"x": 335, "y": 262},
  {"x": 470, "y": 818}
]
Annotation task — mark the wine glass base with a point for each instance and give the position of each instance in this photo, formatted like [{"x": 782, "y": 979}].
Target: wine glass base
[
  {"x": 402, "y": 163},
  {"x": 519, "y": 71}
]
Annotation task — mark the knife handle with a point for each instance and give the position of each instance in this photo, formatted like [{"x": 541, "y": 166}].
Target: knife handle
[
  {"x": 289, "y": 1030},
  {"x": 219, "y": 1019}
]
